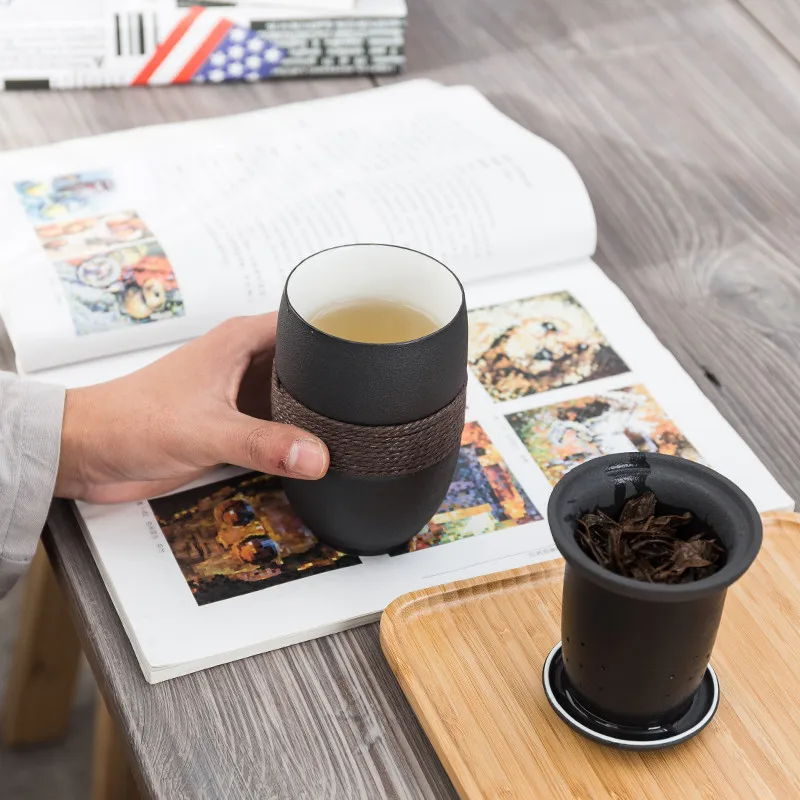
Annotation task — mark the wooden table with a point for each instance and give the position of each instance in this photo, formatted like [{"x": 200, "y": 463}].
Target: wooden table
[{"x": 683, "y": 116}]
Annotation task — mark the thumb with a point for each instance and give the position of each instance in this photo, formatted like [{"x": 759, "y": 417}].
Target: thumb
[{"x": 271, "y": 447}]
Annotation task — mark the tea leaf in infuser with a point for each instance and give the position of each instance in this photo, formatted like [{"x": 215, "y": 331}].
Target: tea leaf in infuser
[
  {"x": 638, "y": 510},
  {"x": 646, "y": 547}
]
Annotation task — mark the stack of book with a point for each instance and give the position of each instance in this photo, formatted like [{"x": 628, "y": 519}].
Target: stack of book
[{"x": 46, "y": 44}]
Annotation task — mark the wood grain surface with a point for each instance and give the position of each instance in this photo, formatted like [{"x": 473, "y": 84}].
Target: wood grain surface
[
  {"x": 683, "y": 116},
  {"x": 469, "y": 656},
  {"x": 325, "y": 719},
  {"x": 780, "y": 19}
]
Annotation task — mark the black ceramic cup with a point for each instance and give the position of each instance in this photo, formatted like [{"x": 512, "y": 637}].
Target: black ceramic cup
[
  {"x": 371, "y": 384},
  {"x": 635, "y": 653}
]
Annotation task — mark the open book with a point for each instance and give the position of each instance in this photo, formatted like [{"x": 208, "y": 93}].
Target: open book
[{"x": 117, "y": 248}]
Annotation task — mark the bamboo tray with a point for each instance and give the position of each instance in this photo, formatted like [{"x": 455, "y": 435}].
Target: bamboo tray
[{"x": 469, "y": 657}]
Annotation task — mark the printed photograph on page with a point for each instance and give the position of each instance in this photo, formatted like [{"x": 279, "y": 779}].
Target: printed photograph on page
[
  {"x": 524, "y": 347},
  {"x": 89, "y": 236},
  {"x": 118, "y": 288},
  {"x": 483, "y": 497},
  {"x": 563, "y": 435},
  {"x": 239, "y": 536},
  {"x": 111, "y": 268},
  {"x": 80, "y": 194}
]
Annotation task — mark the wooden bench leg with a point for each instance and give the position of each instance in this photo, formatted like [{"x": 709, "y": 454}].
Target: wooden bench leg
[
  {"x": 44, "y": 666},
  {"x": 112, "y": 778}
]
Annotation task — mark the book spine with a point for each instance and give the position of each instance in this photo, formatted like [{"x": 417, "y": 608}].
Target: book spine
[
  {"x": 338, "y": 47},
  {"x": 194, "y": 45}
]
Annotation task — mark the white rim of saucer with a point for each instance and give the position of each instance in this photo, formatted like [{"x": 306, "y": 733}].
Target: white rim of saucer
[{"x": 627, "y": 743}]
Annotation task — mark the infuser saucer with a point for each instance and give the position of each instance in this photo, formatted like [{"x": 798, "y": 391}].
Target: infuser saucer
[{"x": 703, "y": 707}]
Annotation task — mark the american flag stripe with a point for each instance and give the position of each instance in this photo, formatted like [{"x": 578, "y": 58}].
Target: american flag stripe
[
  {"x": 184, "y": 49},
  {"x": 167, "y": 46},
  {"x": 203, "y": 52}
]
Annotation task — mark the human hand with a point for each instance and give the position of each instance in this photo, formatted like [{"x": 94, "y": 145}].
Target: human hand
[{"x": 165, "y": 425}]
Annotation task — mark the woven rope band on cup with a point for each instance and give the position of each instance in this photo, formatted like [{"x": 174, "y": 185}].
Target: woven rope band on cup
[{"x": 377, "y": 450}]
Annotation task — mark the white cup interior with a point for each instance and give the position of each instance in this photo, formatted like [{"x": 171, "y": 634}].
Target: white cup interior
[{"x": 374, "y": 272}]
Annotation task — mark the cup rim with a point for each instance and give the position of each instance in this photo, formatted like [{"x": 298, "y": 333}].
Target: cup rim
[
  {"x": 626, "y": 465},
  {"x": 330, "y": 336}
]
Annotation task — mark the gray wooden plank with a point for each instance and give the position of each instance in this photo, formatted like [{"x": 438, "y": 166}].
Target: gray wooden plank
[
  {"x": 683, "y": 120},
  {"x": 324, "y": 719},
  {"x": 780, "y": 19},
  {"x": 33, "y": 118}
]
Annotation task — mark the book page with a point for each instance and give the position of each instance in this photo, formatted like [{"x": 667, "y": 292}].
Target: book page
[
  {"x": 119, "y": 242},
  {"x": 143, "y": 238},
  {"x": 561, "y": 370}
]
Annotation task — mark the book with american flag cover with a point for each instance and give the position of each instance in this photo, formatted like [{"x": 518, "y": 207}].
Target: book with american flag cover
[{"x": 48, "y": 44}]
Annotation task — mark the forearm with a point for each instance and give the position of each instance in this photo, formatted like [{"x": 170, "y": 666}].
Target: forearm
[
  {"x": 30, "y": 435},
  {"x": 205, "y": 404}
]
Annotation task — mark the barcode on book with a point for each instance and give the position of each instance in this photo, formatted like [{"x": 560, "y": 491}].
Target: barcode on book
[{"x": 135, "y": 34}]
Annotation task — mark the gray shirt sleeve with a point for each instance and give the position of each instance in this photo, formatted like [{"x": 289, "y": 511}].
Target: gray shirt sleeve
[{"x": 30, "y": 442}]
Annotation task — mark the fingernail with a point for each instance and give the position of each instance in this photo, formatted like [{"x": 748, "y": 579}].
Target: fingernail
[{"x": 306, "y": 458}]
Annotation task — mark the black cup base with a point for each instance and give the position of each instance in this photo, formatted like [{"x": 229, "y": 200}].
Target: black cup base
[
  {"x": 697, "y": 716},
  {"x": 349, "y": 550}
]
